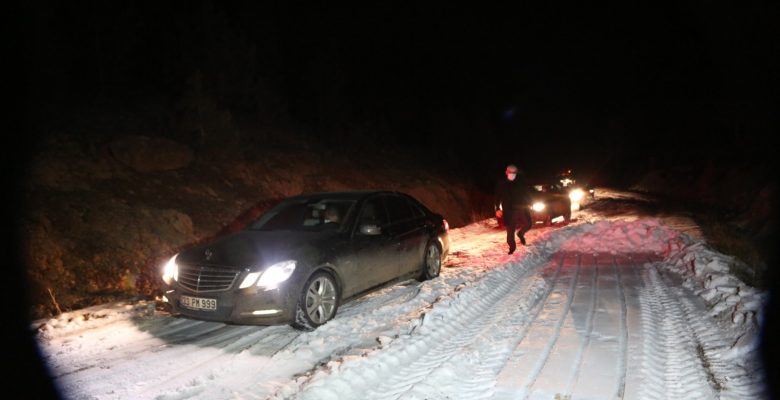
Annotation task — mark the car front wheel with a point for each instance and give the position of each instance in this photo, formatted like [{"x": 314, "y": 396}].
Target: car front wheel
[
  {"x": 318, "y": 302},
  {"x": 431, "y": 262}
]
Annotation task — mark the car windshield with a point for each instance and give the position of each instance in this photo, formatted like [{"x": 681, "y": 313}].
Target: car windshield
[{"x": 311, "y": 214}]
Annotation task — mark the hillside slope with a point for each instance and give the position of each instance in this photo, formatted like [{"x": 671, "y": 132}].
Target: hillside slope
[{"x": 101, "y": 216}]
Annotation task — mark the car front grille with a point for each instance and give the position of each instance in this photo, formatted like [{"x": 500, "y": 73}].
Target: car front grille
[{"x": 203, "y": 278}]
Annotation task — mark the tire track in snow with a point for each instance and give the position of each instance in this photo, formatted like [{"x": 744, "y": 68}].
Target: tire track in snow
[
  {"x": 545, "y": 354},
  {"x": 594, "y": 335},
  {"x": 121, "y": 354},
  {"x": 607, "y": 340},
  {"x": 200, "y": 354},
  {"x": 505, "y": 337},
  {"x": 404, "y": 382},
  {"x": 575, "y": 371},
  {"x": 671, "y": 365},
  {"x": 623, "y": 338},
  {"x": 515, "y": 380},
  {"x": 518, "y": 310},
  {"x": 633, "y": 282},
  {"x": 214, "y": 365},
  {"x": 729, "y": 380},
  {"x": 76, "y": 358},
  {"x": 394, "y": 294},
  {"x": 400, "y": 369}
]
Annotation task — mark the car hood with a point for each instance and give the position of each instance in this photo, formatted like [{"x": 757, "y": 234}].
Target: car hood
[
  {"x": 545, "y": 196},
  {"x": 259, "y": 249}
]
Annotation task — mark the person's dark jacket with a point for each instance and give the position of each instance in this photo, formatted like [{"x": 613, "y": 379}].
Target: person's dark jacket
[{"x": 512, "y": 195}]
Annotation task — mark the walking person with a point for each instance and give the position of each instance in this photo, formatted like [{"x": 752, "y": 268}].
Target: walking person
[{"x": 512, "y": 199}]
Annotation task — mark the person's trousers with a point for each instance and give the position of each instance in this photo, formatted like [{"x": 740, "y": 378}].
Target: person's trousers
[{"x": 519, "y": 220}]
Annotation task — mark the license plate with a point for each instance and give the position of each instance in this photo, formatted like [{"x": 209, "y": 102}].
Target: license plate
[{"x": 198, "y": 303}]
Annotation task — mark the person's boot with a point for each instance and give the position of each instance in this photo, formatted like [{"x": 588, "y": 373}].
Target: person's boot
[
  {"x": 522, "y": 238},
  {"x": 512, "y": 248}
]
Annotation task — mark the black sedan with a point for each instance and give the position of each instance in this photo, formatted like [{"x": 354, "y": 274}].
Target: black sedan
[
  {"x": 579, "y": 192},
  {"x": 299, "y": 261},
  {"x": 548, "y": 205}
]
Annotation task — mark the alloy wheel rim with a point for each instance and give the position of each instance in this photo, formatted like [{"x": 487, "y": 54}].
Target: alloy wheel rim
[{"x": 320, "y": 300}]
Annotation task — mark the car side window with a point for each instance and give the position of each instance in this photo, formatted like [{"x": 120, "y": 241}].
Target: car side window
[
  {"x": 399, "y": 209},
  {"x": 417, "y": 208},
  {"x": 373, "y": 212}
]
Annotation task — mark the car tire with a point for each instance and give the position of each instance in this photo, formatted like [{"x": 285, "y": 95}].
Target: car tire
[
  {"x": 567, "y": 217},
  {"x": 431, "y": 265},
  {"x": 317, "y": 303}
]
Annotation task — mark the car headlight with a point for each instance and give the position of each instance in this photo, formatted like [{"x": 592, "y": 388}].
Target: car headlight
[
  {"x": 171, "y": 271},
  {"x": 576, "y": 195},
  {"x": 538, "y": 206},
  {"x": 271, "y": 277}
]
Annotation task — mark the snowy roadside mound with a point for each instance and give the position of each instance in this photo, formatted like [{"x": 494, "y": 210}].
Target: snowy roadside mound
[
  {"x": 703, "y": 270},
  {"x": 614, "y": 237},
  {"x": 74, "y": 322},
  {"x": 706, "y": 272}
]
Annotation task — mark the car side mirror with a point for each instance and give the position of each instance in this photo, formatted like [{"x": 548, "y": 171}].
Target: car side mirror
[{"x": 370, "y": 229}]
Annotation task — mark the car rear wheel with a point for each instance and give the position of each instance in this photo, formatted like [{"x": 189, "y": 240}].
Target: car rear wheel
[
  {"x": 318, "y": 302},
  {"x": 431, "y": 262}
]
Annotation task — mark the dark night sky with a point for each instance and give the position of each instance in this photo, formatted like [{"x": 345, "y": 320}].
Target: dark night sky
[{"x": 541, "y": 85}]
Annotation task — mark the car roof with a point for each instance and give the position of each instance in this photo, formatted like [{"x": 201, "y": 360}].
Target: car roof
[{"x": 345, "y": 195}]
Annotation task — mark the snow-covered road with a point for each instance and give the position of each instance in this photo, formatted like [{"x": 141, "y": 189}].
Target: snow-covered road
[{"x": 617, "y": 305}]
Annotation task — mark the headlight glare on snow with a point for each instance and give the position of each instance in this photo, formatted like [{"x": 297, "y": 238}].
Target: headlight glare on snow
[
  {"x": 171, "y": 270},
  {"x": 538, "y": 206},
  {"x": 276, "y": 274}
]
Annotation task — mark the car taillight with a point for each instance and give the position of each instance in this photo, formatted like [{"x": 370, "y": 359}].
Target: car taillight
[{"x": 446, "y": 224}]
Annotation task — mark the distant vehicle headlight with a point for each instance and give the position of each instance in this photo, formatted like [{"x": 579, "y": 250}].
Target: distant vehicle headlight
[
  {"x": 538, "y": 206},
  {"x": 171, "y": 270},
  {"x": 271, "y": 277},
  {"x": 576, "y": 195}
]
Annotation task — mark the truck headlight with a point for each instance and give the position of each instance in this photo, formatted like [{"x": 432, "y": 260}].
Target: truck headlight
[{"x": 538, "y": 206}]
